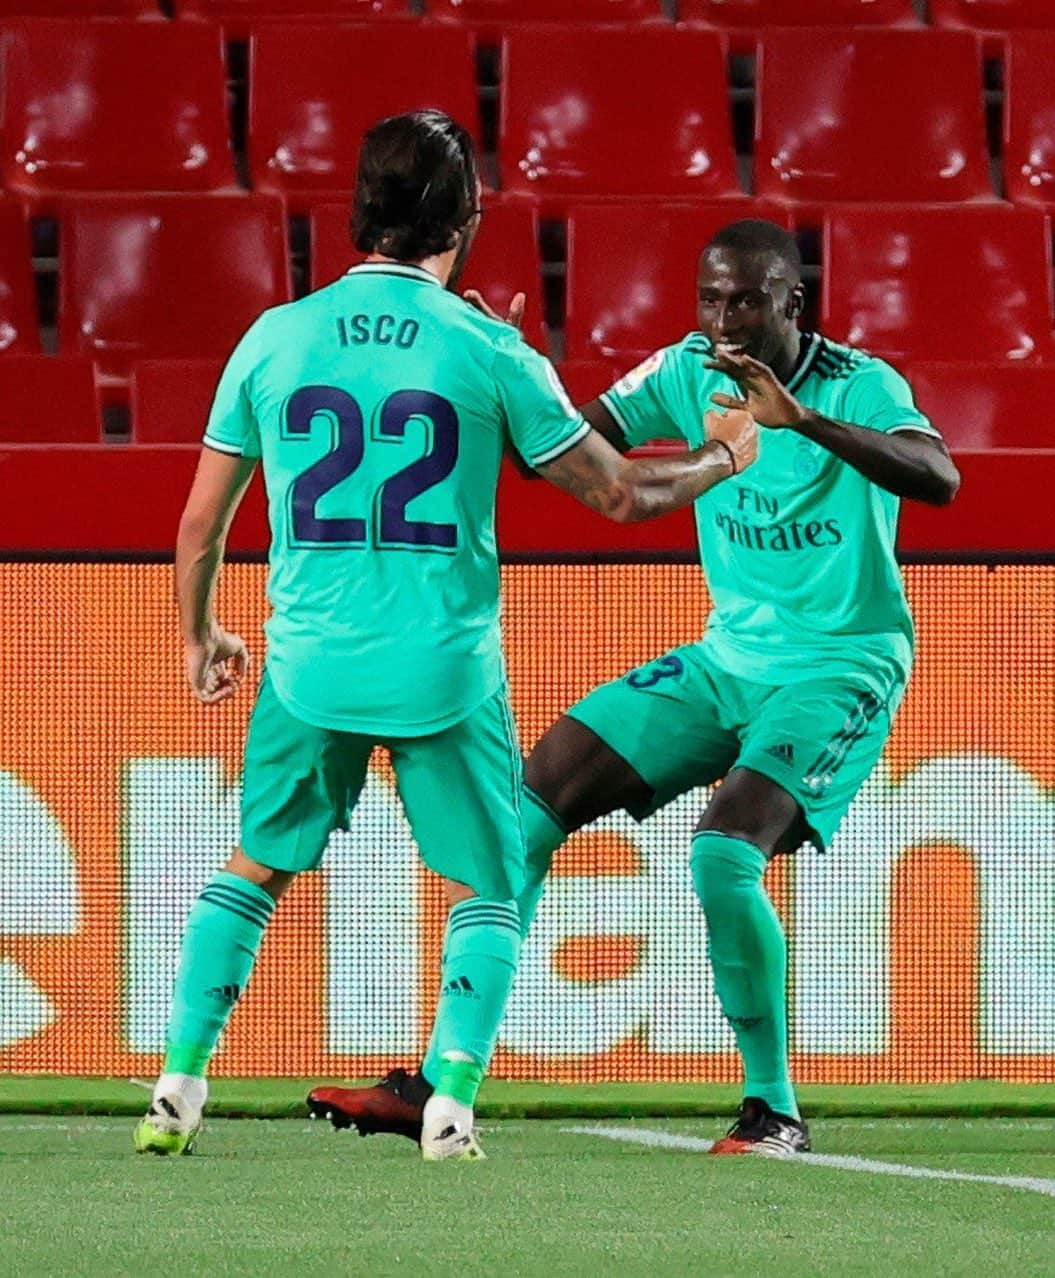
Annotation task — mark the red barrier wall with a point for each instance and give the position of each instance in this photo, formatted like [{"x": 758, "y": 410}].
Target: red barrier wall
[{"x": 129, "y": 497}]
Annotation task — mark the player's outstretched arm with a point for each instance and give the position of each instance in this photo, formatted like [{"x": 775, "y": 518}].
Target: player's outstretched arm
[
  {"x": 629, "y": 490},
  {"x": 216, "y": 661},
  {"x": 908, "y": 463}
]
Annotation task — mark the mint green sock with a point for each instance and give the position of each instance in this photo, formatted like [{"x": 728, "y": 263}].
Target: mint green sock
[
  {"x": 750, "y": 961},
  {"x": 219, "y": 948},
  {"x": 480, "y": 955},
  {"x": 543, "y": 835}
]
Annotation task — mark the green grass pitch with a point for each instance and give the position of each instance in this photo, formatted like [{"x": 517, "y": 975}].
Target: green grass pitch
[{"x": 588, "y": 1191}]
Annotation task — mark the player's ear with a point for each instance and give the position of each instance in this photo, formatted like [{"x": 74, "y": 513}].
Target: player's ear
[{"x": 796, "y": 303}]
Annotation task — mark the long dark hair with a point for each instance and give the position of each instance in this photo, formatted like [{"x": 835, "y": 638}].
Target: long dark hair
[{"x": 416, "y": 186}]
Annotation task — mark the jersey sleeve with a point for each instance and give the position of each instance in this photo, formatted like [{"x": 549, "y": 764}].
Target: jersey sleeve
[
  {"x": 645, "y": 402},
  {"x": 232, "y": 424},
  {"x": 542, "y": 420},
  {"x": 878, "y": 396}
]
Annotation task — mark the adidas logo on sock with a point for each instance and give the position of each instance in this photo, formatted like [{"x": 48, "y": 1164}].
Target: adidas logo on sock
[
  {"x": 224, "y": 993},
  {"x": 462, "y": 986},
  {"x": 785, "y": 753}
]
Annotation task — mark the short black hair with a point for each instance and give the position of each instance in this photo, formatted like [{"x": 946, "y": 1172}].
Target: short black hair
[
  {"x": 416, "y": 186},
  {"x": 754, "y": 235}
]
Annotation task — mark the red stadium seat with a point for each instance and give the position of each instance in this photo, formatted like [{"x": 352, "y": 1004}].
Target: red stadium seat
[
  {"x": 79, "y": 9},
  {"x": 993, "y": 15},
  {"x": 981, "y": 406},
  {"x": 807, "y": 13},
  {"x": 585, "y": 379},
  {"x": 315, "y": 90},
  {"x": 239, "y": 16},
  {"x": 166, "y": 276},
  {"x": 500, "y": 12},
  {"x": 938, "y": 284},
  {"x": 1029, "y": 118},
  {"x": 47, "y": 400},
  {"x": 18, "y": 307},
  {"x": 632, "y": 274},
  {"x": 822, "y": 136},
  {"x": 504, "y": 260},
  {"x": 171, "y": 399},
  {"x": 573, "y": 123},
  {"x": 113, "y": 106}
]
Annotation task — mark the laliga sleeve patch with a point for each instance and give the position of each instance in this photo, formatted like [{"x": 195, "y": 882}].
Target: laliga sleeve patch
[{"x": 633, "y": 380}]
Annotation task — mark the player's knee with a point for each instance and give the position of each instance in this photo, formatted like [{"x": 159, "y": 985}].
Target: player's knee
[
  {"x": 275, "y": 882},
  {"x": 710, "y": 875},
  {"x": 722, "y": 872}
]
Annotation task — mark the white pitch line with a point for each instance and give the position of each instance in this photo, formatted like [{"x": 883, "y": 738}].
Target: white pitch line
[{"x": 841, "y": 1162}]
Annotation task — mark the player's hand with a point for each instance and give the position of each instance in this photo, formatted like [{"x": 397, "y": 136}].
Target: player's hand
[
  {"x": 762, "y": 394},
  {"x": 738, "y": 430},
  {"x": 217, "y": 666},
  {"x": 516, "y": 307}
]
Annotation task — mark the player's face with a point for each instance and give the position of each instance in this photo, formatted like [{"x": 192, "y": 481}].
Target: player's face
[{"x": 743, "y": 300}]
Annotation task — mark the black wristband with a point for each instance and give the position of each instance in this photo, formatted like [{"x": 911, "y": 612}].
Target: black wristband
[{"x": 732, "y": 456}]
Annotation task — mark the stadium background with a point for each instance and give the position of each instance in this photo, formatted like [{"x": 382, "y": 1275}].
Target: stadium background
[{"x": 923, "y": 946}]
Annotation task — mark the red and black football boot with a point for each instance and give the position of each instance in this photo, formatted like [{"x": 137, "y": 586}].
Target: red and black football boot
[
  {"x": 395, "y": 1105},
  {"x": 761, "y": 1130}
]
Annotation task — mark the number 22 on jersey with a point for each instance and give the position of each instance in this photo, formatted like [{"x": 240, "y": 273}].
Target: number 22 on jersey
[{"x": 390, "y": 527}]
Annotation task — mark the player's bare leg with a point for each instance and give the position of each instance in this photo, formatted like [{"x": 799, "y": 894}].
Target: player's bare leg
[
  {"x": 750, "y": 820},
  {"x": 219, "y": 947}
]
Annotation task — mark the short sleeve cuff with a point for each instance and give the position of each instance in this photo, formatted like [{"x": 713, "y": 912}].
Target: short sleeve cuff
[
  {"x": 923, "y": 428},
  {"x": 566, "y": 445},
  {"x": 612, "y": 404},
  {"x": 232, "y": 450}
]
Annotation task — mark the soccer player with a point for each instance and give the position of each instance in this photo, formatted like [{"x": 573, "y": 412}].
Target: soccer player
[
  {"x": 788, "y": 697},
  {"x": 379, "y": 408}
]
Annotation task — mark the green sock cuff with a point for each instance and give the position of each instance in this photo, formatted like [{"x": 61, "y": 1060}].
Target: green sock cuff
[
  {"x": 251, "y": 892},
  {"x": 724, "y": 847},
  {"x": 460, "y": 1080},
  {"x": 479, "y": 913},
  {"x": 187, "y": 1058}
]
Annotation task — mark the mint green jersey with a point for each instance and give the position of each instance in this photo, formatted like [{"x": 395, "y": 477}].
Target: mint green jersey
[
  {"x": 798, "y": 550},
  {"x": 380, "y": 408}
]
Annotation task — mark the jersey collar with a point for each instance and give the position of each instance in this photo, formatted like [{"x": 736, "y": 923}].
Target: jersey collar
[
  {"x": 405, "y": 269},
  {"x": 808, "y": 348}
]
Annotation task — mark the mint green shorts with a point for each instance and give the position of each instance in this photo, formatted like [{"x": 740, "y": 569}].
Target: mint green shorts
[
  {"x": 682, "y": 721},
  {"x": 460, "y": 789}
]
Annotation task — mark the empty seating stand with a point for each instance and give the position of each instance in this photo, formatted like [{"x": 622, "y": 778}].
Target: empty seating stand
[
  {"x": 754, "y": 14},
  {"x": 492, "y": 17},
  {"x": 18, "y": 309},
  {"x": 79, "y": 9},
  {"x": 239, "y": 16},
  {"x": 159, "y": 276},
  {"x": 632, "y": 274},
  {"x": 171, "y": 399},
  {"x": 575, "y": 123},
  {"x": 993, "y": 15},
  {"x": 308, "y": 107},
  {"x": 585, "y": 379},
  {"x": 958, "y": 284},
  {"x": 821, "y": 137},
  {"x": 985, "y": 406},
  {"x": 1029, "y": 117},
  {"x": 45, "y": 399},
  {"x": 112, "y": 106}
]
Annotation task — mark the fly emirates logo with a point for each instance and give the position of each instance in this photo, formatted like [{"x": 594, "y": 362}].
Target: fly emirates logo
[{"x": 755, "y": 524}]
